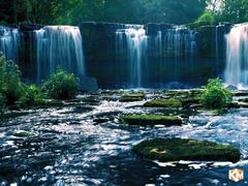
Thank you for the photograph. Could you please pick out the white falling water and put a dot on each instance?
(136, 43)
(180, 41)
(174, 43)
(59, 47)
(236, 72)
(10, 42)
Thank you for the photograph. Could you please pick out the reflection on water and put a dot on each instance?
(90, 146)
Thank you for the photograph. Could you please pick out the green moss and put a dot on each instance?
(132, 97)
(176, 93)
(149, 119)
(186, 149)
(190, 101)
(23, 134)
(174, 103)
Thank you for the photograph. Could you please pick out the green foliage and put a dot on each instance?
(215, 95)
(11, 86)
(235, 11)
(32, 96)
(61, 85)
(76, 11)
(206, 18)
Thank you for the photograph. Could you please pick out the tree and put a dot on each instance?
(76, 11)
(235, 11)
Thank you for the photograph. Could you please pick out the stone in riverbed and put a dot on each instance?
(150, 120)
(132, 97)
(171, 103)
(23, 134)
(176, 149)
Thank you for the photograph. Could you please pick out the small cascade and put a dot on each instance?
(10, 42)
(236, 72)
(59, 47)
(179, 41)
(135, 40)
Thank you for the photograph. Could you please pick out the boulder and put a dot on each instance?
(170, 103)
(132, 97)
(150, 120)
(176, 149)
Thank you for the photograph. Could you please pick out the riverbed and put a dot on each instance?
(86, 143)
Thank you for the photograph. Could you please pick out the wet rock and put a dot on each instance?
(244, 100)
(14, 114)
(91, 99)
(150, 120)
(188, 102)
(166, 150)
(23, 134)
(51, 103)
(132, 97)
(238, 105)
(240, 93)
(101, 120)
(172, 103)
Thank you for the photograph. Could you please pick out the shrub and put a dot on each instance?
(61, 85)
(207, 18)
(215, 95)
(11, 86)
(32, 96)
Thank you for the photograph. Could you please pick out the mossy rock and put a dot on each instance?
(150, 120)
(132, 97)
(177, 93)
(167, 150)
(23, 134)
(171, 103)
(190, 101)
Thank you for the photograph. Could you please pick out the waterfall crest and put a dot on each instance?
(59, 47)
(135, 39)
(10, 42)
(236, 72)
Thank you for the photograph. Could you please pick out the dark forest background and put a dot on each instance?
(124, 11)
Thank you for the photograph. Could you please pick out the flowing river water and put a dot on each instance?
(85, 143)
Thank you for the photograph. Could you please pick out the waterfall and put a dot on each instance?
(135, 39)
(10, 42)
(176, 44)
(59, 47)
(236, 72)
(179, 41)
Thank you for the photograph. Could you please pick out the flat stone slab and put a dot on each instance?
(132, 97)
(151, 120)
(170, 103)
(168, 150)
